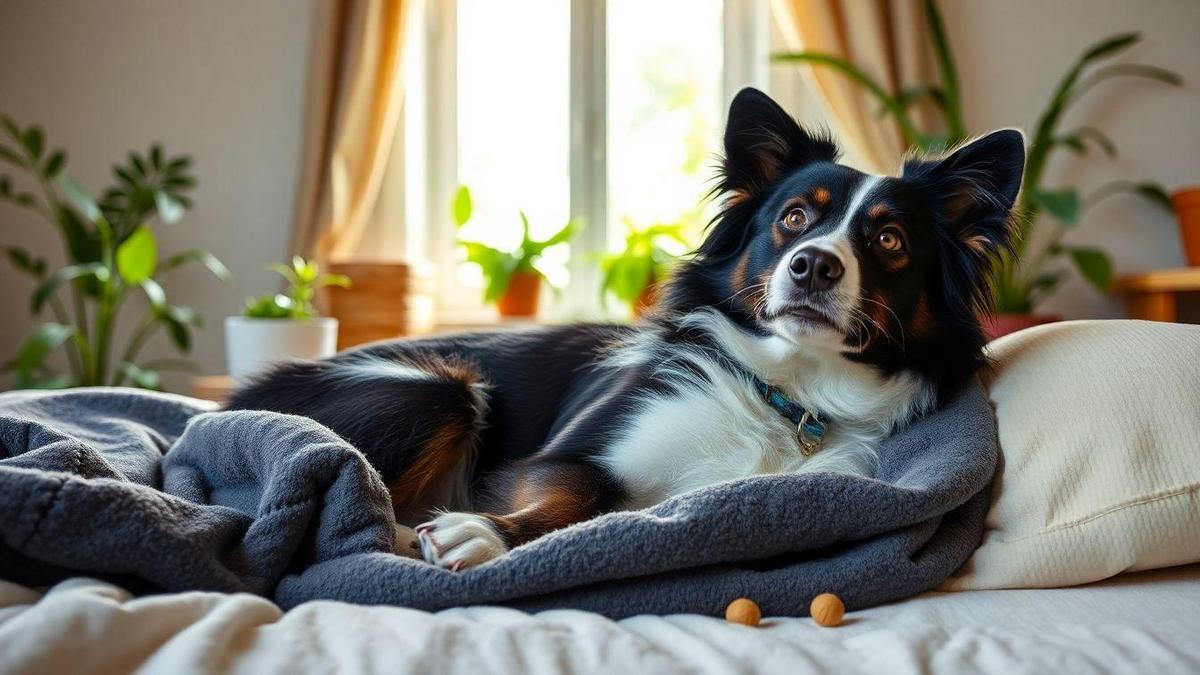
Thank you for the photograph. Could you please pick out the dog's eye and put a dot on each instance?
(796, 219)
(889, 240)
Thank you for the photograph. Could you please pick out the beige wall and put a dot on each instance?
(222, 80)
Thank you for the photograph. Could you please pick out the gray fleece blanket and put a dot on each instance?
(158, 493)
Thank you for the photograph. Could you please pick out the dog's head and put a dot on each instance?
(887, 271)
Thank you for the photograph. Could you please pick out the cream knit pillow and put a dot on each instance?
(1100, 437)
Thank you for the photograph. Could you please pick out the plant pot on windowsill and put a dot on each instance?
(280, 326)
(1187, 209)
(1001, 324)
(520, 299)
(646, 300)
(512, 279)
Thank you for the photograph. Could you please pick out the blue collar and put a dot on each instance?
(810, 430)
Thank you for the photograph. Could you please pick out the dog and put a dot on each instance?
(824, 309)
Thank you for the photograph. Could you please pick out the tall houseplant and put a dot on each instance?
(1028, 273)
(513, 280)
(111, 253)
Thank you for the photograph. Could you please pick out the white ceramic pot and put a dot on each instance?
(253, 344)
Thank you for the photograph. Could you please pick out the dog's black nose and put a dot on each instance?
(815, 270)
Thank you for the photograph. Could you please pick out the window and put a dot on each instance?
(663, 112)
(608, 112)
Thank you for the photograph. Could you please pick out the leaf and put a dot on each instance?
(1072, 142)
(205, 258)
(499, 278)
(155, 294)
(284, 271)
(24, 261)
(81, 198)
(137, 163)
(54, 164)
(1099, 138)
(47, 288)
(43, 340)
(33, 140)
(125, 177)
(156, 156)
(179, 183)
(11, 127)
(1110, 45)
(1155, 193)
(334, 280)
(463, 206)
(268, 306)
(562, 236)
(525, 238)
(176, 320)
(11, 156)
(137, 256)
(949, 101)
(177, 165)
(83, 242)
(306, 271)
(142, 378)
(1133, 70)
(1094, 265)
(169, 208)
(1062, 204)
(1045, 283)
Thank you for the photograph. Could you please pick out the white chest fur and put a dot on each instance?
(717, 427)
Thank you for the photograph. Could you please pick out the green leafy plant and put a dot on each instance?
(111, 252)
(1029, 274)
(630, 273)
(303, 278)
(499, 266)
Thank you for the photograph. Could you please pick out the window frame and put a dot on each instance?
(433, 149)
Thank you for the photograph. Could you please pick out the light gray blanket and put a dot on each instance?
(156, 493)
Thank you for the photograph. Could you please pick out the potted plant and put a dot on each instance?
(633, 274)
(1187, 210)
(512, 278)
(1032, 270)
(112, 255)
(279, 326)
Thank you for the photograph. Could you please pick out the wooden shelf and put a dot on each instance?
(212, 387)
(1152, 295)
(1181, 279)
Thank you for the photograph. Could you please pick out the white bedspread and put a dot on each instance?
(1141, 623)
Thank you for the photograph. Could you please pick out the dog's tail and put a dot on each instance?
(416, 417)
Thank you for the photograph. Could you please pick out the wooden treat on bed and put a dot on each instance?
(827, 609)
(743, 611)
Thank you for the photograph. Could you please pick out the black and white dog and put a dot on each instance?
(825, 308)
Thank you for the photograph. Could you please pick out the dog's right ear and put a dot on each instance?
(762, 142)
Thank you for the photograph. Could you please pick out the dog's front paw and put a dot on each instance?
(457, 541)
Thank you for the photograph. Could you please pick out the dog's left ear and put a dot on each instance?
(974, 188)
(762, 142)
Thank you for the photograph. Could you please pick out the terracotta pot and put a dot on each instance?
(521, 296)
(645, 301)
(999, 325)
(1187, 210)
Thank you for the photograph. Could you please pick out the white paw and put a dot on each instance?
(407, 543)
(457, 541)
